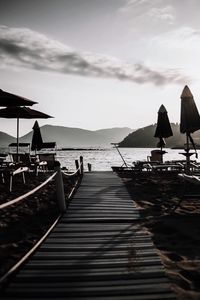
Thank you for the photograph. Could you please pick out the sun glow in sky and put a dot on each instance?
(99, 63)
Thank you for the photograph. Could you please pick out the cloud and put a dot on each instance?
(162, 13)
(146, 9)
(180, 48)
(184, 39)
(22, 47)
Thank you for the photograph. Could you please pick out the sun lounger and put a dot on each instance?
(190, 178)
(168, 167)
(188, 192)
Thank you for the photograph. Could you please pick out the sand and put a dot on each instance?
(175, 228)
(22, 225)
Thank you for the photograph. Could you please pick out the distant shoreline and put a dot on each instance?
(81, 149)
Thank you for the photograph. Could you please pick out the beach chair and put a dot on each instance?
(13, 171)
(155, 156)
(2, 175)
(23, 147)
(49, 145)
(9, 170)
(2, 165)
(32, 162)
(49, 158)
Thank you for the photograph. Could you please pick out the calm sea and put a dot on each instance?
(103, 159)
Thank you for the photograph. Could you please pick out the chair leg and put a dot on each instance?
(11, 179)
(23, 177)
(36, 170)
(2, 176)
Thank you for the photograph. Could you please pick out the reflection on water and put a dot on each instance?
(103, 159)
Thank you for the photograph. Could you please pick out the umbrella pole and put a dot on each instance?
(187, 154)
(124, 162)
(17, 139)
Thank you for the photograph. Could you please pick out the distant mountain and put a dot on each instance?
(76, 137)
(6, 139)
(144, 138)
(112, 135)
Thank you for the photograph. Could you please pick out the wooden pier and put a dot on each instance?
(96, 252)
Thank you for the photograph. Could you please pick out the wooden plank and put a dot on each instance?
(93, 283)
(91, 234)
(79, 274)
(81, 239)
(93, 291)
(88, 264)
(110, 246)
(91, 254)
(159, 296)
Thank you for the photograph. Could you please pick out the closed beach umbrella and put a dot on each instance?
(163, 128)
(190, 119)
(37, 141)
(8, 99)
(22, 113)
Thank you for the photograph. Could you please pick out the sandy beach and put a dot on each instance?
(175, 232)
(22, 225)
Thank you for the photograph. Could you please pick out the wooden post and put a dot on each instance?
(89, 167)
(81, 163)
(60, 195)
(77, 166)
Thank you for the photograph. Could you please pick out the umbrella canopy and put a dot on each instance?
(190, 119)
(163, 128)
(21, 113)
(37, 141)
(8, 99)
(190, 122)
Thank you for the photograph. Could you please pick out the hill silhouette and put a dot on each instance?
(76, 137)
(144, 138)
(6, 139)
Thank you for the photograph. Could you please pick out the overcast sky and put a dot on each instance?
(99, 63)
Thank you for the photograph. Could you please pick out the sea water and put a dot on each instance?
(104, 159)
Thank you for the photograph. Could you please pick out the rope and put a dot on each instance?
(73, 189)
(20, 198)
(27, 255)
(72, 174)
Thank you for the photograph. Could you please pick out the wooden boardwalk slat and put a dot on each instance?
(97, 251)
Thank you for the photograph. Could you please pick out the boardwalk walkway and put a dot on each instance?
(97, 251)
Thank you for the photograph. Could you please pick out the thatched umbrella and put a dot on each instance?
(163, 129)
(190, 121)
